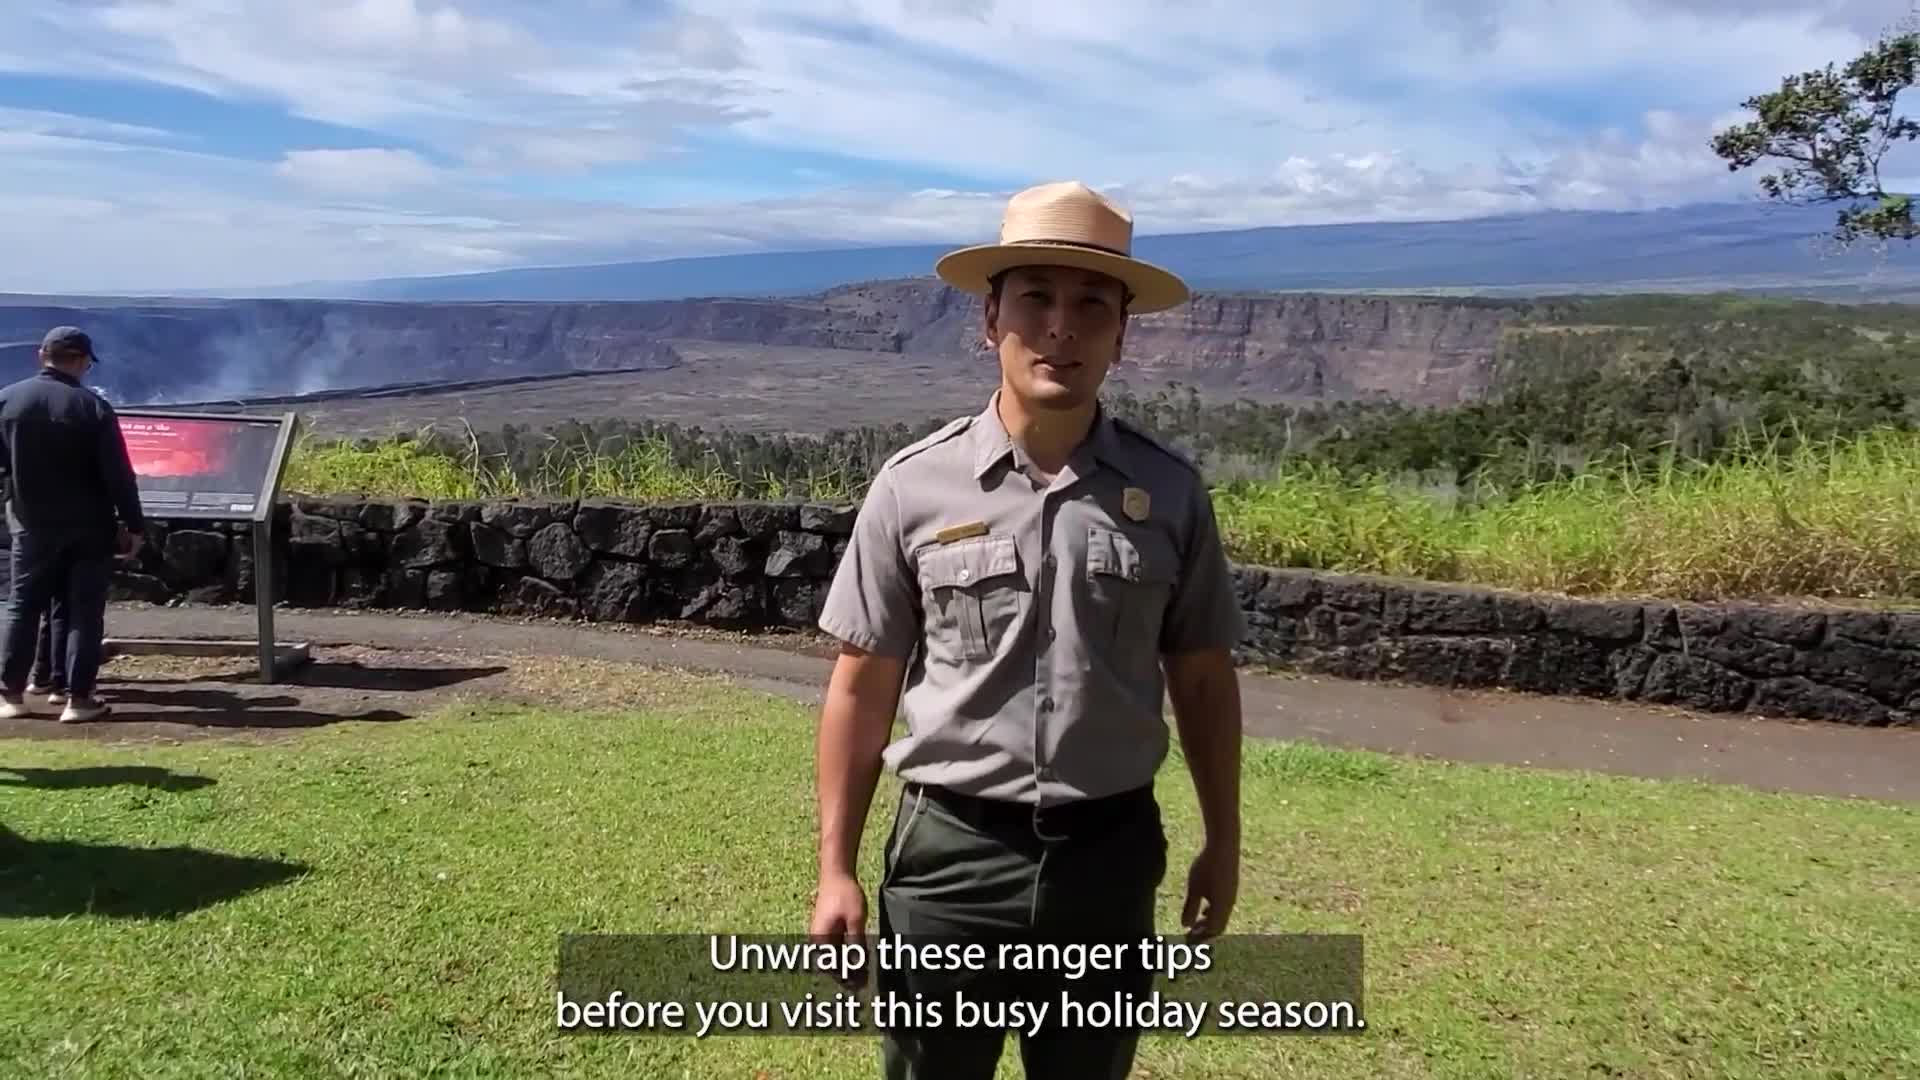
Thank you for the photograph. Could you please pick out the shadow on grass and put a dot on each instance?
(52, 879)
(335, 676)
(198, 699)
(100, 776)
(225, 708)
(395, 679)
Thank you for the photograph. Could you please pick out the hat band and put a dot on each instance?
(1075, 244)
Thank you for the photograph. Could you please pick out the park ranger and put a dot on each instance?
(1024, 585)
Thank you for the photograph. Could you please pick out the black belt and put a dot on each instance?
(1074, 816)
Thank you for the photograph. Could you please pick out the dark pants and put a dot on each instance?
(50, 656)
(957, 870)
(75, 567)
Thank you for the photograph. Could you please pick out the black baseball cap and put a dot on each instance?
(70, 341)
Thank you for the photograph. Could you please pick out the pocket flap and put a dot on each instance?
(1115, 554)
(968, 562)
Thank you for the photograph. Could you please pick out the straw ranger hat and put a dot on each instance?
(1065, 224)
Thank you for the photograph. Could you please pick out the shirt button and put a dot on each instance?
(1046, 704)
(1046, 772)
(965, 574)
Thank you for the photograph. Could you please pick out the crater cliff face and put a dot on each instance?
(1306, 346)
(1326, 346)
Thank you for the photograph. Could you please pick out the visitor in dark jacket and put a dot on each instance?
(50, 655)
(72, 484)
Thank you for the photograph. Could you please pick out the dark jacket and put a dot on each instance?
(64, 458)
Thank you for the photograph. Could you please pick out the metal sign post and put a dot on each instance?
(216, 467)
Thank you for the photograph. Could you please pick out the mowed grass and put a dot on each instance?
(1836, 520)
(415, 877)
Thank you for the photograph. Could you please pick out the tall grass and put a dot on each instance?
(637, 471)
(392, 468)
(1836, 519)
(1833, 519)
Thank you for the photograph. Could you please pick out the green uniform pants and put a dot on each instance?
(951, 876)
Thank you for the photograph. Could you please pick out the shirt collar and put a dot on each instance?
(992, 445)
(56, 373)
(1107, 446)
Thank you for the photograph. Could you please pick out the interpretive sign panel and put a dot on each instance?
(207, 466)
(216, 467)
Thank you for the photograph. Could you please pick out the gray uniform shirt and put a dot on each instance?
(1040, 612)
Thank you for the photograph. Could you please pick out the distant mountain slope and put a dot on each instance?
(1752, 246)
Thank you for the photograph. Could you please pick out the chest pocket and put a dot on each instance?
(971, 591)
(1129, 582)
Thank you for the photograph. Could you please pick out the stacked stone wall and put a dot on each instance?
(758, 566)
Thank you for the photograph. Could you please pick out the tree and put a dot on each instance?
(1833, 129)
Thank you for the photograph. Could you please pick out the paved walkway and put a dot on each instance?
(1503, 728)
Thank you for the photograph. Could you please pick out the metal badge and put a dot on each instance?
(1136, 503)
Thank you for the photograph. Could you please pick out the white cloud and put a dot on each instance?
(369, 171)
(241, 237)
(360, 62)
(403, 30)
(606, 129)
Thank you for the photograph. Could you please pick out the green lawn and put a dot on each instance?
(1517, 923)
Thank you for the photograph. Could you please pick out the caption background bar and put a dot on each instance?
(630, 971)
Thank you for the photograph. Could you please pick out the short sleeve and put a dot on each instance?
(1204, 612)
(873, 602)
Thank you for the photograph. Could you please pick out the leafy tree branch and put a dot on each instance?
(1833, 129)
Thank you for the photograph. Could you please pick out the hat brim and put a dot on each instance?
(972, 270)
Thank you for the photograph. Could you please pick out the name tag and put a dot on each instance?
(960, 532)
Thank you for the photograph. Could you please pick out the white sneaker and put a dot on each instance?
(78, 712)
(56, 698)
(14, 707)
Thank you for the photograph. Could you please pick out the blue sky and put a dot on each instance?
(203, 144)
